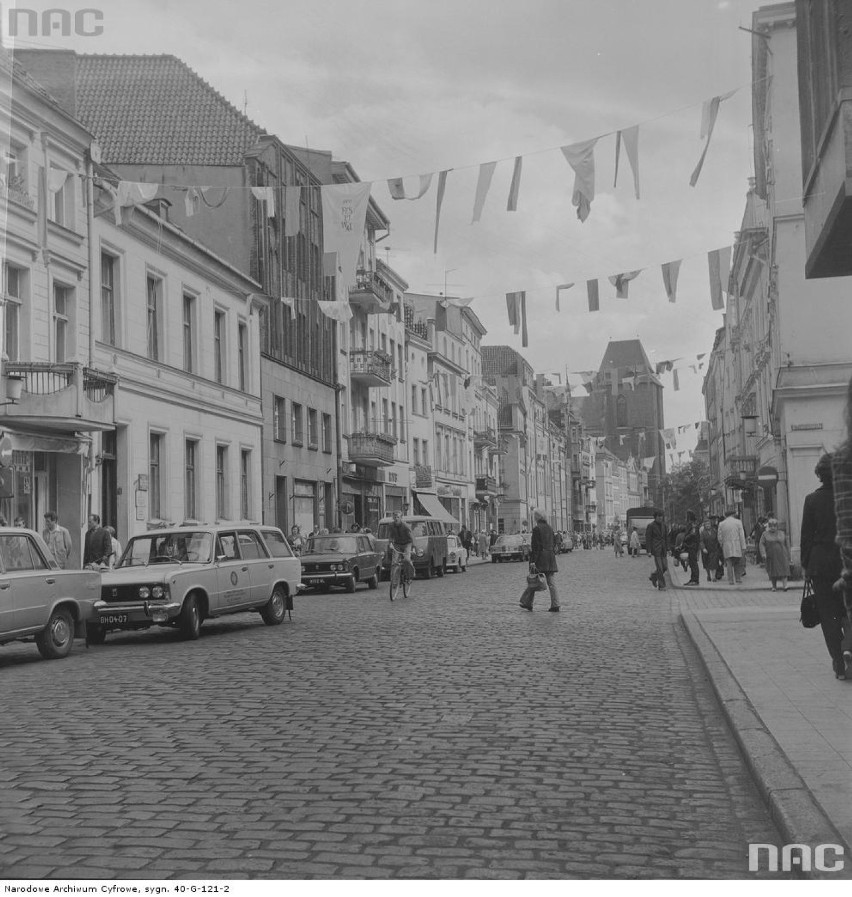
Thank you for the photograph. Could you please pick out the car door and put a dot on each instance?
(257, 559)
(31, 580)
(366, 558)
(232, 574)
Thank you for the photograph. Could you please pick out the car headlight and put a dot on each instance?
(419, 552)
(144, 592)
(335, 567)
(157, 592)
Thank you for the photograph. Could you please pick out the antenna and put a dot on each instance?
(245, 102)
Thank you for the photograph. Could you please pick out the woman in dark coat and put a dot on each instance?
(821, 562)
(543, 559)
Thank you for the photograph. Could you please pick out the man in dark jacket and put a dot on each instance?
(542, 560)
(691, 544)
(98, 544)
(657, 545)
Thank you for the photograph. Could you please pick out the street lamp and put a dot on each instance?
(14, 387)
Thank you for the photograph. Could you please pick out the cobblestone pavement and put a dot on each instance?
(450, 735)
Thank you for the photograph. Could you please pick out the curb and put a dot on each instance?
(796, 812)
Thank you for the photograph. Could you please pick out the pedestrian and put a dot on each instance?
(656, 543)
(756, 535)
(542, 560)
(711, 550)
(776, 553)
(116, 546)
(634, 544)
(297, 543)
(58, 539)
(19, 521)
(483, 544)
(616, 542)
(691, 544)
(841, 468)
(98, 545)
(733, 541)
(821, 561)
(492, 538)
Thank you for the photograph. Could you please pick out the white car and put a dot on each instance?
(179, 577)
(456, 555)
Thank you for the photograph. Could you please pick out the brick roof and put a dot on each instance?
(157, 110)
(500, 361)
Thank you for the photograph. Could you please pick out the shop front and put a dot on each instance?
(361, 499)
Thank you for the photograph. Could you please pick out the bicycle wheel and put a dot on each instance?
(406, 585)
(395, 575)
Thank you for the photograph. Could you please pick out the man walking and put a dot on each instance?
(98, 544)
(691, 544)
(58, 539)
(656, 543)
(733, 541)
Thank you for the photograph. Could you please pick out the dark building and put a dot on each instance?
(625, 408)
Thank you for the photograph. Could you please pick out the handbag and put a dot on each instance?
(809, 615)
(535, 580)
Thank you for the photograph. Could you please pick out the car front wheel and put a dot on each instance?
(350, 583)
(55, 640)
(189, 621)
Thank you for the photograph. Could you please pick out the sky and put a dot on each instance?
(401, 88)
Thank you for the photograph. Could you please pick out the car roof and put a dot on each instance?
(205, 527)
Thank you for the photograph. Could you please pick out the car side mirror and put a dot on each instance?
(221, 557)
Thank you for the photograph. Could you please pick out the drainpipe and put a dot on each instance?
(337, 390)
(90, 215)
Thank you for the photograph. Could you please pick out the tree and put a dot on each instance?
(687, 488)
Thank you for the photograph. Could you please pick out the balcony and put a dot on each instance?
(64, 396)
(371, 449)
(15, 192)
(371, 294)
(486, 438)
(371, 367)
(423, 477)
(486, 486)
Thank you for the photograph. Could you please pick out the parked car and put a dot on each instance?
(429, 553)
(567, 542)
(511, 548)
(40, 601)
(456, 554)
(340, 559)
(179, 577)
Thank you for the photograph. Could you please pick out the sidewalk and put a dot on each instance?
(791, 717)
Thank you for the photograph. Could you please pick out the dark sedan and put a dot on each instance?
(343, 559)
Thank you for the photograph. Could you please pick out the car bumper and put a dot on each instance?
(326, 579)
(136, 614)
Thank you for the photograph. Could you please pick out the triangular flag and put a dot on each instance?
(620, 282)
(56, 178)
(191, 201)
(512, 308)
(581, 157)
(512, 204)
(289, 301)
(337, 311)
(709, 111)
(718, 263)
(630, 136)
(670, 275)
(267, 195)
(594, 298)
(675, 380)
(425, 183)
(397, 190)
(562, 286)
(442, 183)
(483, 183)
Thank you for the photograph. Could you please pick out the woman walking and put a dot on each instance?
(776, 554)
(543, 559)
(821, 562)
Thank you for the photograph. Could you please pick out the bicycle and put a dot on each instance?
(400, 573)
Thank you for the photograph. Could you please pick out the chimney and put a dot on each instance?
(56, 71)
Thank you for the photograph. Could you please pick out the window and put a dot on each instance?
(425, 452)
(313, 433)
(424, 405)
(219, 346)
(14, 289)
(296, 427)
(415, 451)
(16, 169)
(245, 484)
(109, 269)
(221, 481)
(189, 313)
(385, 417)
(414, 400)
(190, 502)
(401, 372)
(326, 433)
(393, 419)
(279, 419)
(62, 200)
(155, 476)
(63, 304)
(154, 319)
(242, 354)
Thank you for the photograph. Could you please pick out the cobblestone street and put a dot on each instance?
(451, 735)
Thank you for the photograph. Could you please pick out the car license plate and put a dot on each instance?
(114, 618)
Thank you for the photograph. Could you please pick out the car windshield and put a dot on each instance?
(332, 545)
(508, 540)
(168, 548)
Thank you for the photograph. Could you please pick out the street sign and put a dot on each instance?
(5, 452)
(767, 476)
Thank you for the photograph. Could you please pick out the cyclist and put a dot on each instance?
(399, 536)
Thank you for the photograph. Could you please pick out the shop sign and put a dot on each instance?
(806, 427)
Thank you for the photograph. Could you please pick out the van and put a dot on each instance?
(429, 553)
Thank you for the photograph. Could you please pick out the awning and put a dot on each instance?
(434, 508)
(26, 442)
